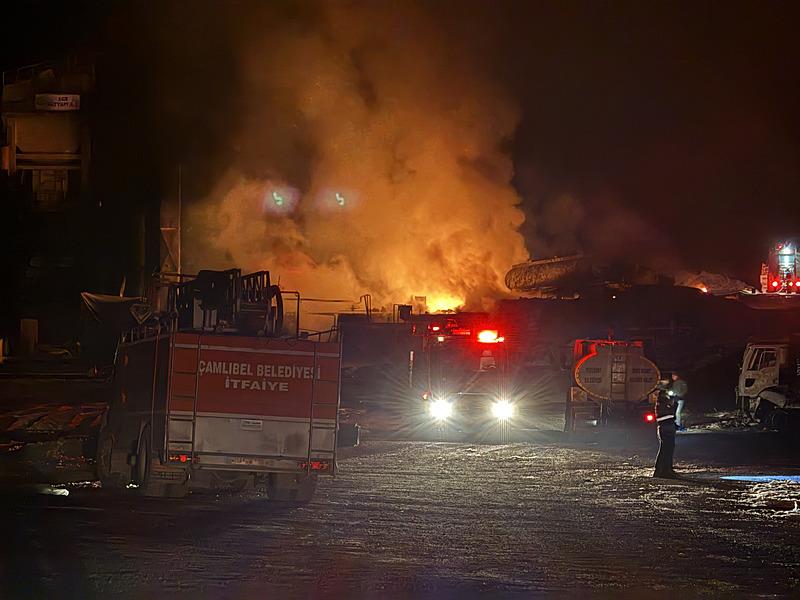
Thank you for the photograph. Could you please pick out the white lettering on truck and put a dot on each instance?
(235, 372)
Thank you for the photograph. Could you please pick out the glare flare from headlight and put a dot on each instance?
(502, 410)
(440, 409)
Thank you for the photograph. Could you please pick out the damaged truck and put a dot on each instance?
(768, 390)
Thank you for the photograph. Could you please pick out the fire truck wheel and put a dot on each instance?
(291, 488)
(144, 463)
(103, 460)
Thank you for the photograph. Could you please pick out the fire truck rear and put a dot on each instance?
(779, 275)
(210, 393)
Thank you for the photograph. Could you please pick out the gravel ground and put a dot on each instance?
(427, 519)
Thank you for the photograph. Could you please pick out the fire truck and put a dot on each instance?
(612, 383)
(461, 374)
(210, 393)
(779, 275)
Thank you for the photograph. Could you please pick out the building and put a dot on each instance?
(72, 219)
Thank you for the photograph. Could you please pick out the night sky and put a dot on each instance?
(668, 130)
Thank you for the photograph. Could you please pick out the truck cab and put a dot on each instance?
(761, 366)
(767, 389)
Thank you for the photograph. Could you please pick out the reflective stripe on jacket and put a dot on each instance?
(665, 406)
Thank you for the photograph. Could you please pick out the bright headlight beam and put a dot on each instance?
(502, 410)
(440, 409)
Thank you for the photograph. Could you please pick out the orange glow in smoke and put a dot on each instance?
(443, 302)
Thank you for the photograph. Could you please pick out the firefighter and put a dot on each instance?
(665, 420)
(678, 390)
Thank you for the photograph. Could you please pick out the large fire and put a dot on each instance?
(445, 302)
(383, 168)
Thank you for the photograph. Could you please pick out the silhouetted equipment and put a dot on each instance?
(228, 300)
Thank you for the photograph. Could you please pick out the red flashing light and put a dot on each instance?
(179, 458)
(489, 336)
(435, 328)
(649, 417)
(774, 284)
(791, 283)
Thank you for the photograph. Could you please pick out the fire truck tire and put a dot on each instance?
(296, 489)
(147, 486)
(103, 460)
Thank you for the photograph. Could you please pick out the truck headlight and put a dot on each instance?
(502, 410)
(440, 409)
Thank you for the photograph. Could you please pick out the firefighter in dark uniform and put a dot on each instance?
(665, 420)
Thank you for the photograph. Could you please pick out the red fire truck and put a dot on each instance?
(209, 393)
(779, 275)
(461, 375)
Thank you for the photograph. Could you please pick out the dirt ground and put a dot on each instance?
(431, 519)
(540, 516)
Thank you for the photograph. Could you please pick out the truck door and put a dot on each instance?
(759, 370)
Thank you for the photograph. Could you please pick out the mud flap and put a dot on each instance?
(569, 417)
(155, 479)
(290, 487)
(349, 435)
(167, 482)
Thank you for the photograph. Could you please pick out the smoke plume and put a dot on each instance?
(372, 158)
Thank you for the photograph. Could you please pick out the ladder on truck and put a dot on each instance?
(318, 430)
(618, 378)
(182, 446)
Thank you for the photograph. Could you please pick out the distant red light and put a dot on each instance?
(435, 327)
(316, 465)
(649, 417)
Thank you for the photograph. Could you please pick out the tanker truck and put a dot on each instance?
(612, 384)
